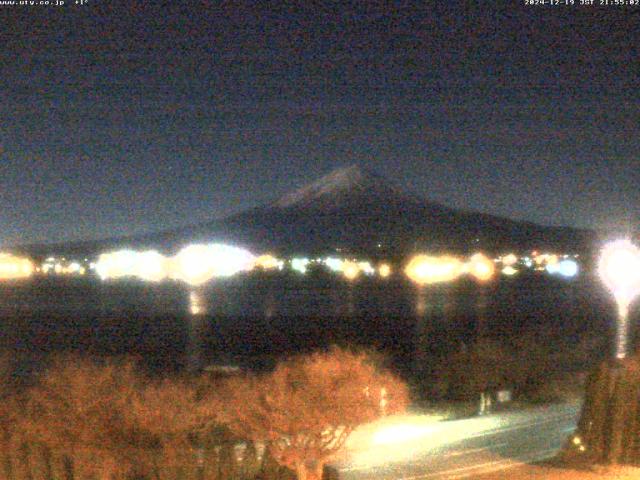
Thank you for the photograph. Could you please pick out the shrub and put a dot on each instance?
(307, 407)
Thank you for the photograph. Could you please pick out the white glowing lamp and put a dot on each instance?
(425, 269)
(619, 268)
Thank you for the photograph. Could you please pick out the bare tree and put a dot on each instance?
(8, 414)
(172, 411)
(81, 410)
(307, 407)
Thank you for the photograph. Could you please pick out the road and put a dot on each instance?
(414, 447)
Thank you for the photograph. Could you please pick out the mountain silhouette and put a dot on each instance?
(355, 210)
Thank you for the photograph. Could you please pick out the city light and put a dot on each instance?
(13, 267)
(509, 259)
(619, 268)
(509, 271)
(300, 264)
(384, 270)
(268, 262)
(350, 270)
(197, 264)
(334, 264)
(366, 268)
(425, 269)
(149, 265)
(481, 267)
(121, 263)
(566, 268)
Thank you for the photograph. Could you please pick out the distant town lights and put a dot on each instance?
(13, 267)
(384, 270)
(197, 264)
(509, 271)
(350, 270)
(509, 259)
(268, 262)
(300, 264)
(425, 269)
(481, 267)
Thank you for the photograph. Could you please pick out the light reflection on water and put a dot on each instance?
(196, 303)
(278, 311)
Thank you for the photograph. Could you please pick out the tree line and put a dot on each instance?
(106, 419)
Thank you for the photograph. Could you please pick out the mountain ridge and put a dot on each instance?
(352, 209)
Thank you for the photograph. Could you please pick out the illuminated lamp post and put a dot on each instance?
(608, 429)
(619, 268)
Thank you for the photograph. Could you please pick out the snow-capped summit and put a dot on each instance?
(335, 185)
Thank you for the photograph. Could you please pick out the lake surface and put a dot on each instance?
(254, 319)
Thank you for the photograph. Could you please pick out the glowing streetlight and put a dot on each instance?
(619, 268)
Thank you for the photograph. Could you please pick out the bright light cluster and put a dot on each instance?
(148, 265)
(426, 269)
(197, 264)
(13, 267)
(564, 265)
(268, 262)
(334, 264)
(194, 264)
(300, 264)
(566, 268)
(350, 270)
(61, 266)
(384, 270)
(480, 267)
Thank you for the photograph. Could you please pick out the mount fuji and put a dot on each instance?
(356, 210)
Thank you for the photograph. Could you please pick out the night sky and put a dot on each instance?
(129, 119)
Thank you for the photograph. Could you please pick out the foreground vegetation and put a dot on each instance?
(84, 419)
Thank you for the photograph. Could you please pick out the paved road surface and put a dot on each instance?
(412, 447)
